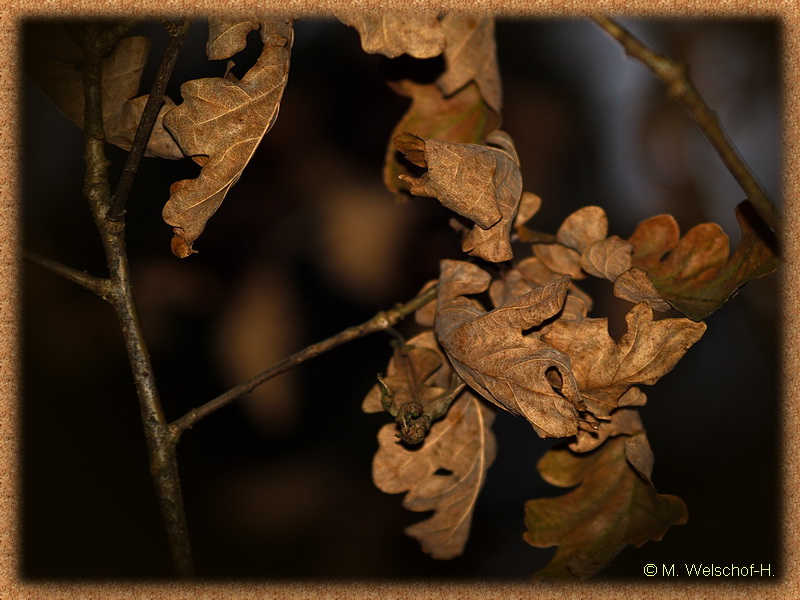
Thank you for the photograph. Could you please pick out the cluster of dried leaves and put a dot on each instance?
(219, 124)
(534, 351)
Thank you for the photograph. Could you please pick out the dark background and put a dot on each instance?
(308, 242)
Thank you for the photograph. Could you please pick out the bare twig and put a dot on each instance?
(681, 89)
(148, 119)
(160, 441)
(380, 322)
(98, 285)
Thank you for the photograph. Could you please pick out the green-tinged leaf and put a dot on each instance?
(445, 474)
(614, 505)
(694, 273)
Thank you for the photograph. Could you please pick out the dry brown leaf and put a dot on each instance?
(634, 286)
(529, 205)
(614, 505)
(463, 105)
(560, 259)
(463, 117)
(126, 122)
(530, 273)
(471, 55)
(228, 36)
(426, 315)
(607, 258)
(445, 474)
(220, 124)
(582, 246)
(459, 176)
(52, 57)
(490, 352)
(623, 421)
(417, 371)
(640, 455)
(606, 369)
(418, 33)
(481, 183)
(583, 228)
(694, 273)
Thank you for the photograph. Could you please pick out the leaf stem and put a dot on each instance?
(380, 322)
(147, 122)
(160, 441)
(680, 87)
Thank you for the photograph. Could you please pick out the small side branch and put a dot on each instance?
(681, 89)
(380, 322)
(148, 120)
(98, 285)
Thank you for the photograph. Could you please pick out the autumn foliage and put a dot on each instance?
(510, 327)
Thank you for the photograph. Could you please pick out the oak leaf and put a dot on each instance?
(694, 273)
(606, 370)
(594, 432)
(463, 105)
(481, 183)
(228, 35)
(418, 388)
(463, 117)
(583, 228)
(445, 474)
(560, 259)
(221, 123)
(53, 57)
(489, 351)
(417, 372)
(581, 246)
(471, 55)
(418, 33)
(529, 205)
(530, 273)
(608, 258)
(614, 505)
(634, 286)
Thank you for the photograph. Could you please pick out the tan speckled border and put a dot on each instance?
(12, 587)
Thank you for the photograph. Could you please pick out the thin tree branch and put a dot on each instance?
(380, 322)
(160, 441)
(98, 285)
(681, 89)
(148, 119)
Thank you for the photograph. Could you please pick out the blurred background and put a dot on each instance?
(308, 242)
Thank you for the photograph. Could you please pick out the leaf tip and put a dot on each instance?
(412, 146)
(179, 246)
